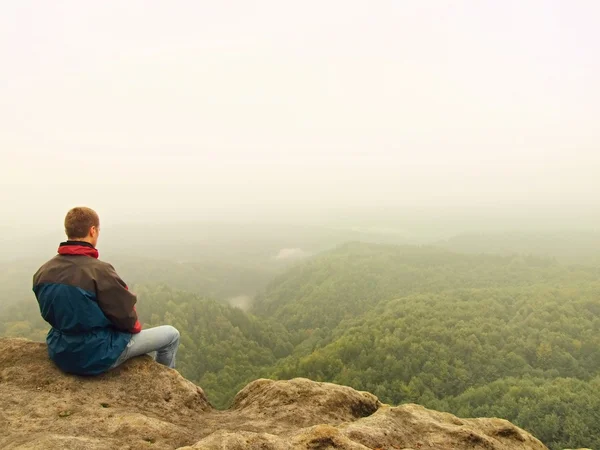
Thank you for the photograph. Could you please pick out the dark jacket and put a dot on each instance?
(90, 309)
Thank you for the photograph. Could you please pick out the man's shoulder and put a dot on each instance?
(66, 269)
(95, 264)
(104, 264)
(52, 261)
(103, 268)
(74, 269)
(72, 262)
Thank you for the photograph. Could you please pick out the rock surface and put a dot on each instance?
(143, 405)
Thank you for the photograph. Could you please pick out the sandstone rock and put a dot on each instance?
(240, 440)
(126, 408)
(417, 427)
(300, 403)
(144, 405)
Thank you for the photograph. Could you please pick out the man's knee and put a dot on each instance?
(174, 333)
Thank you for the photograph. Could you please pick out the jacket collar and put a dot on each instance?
(77, 248)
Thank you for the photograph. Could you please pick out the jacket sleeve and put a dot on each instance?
(115, 300)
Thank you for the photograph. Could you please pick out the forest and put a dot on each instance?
(512, 334)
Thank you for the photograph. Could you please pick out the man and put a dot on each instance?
(92, 313)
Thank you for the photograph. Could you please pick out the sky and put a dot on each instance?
(180, 110)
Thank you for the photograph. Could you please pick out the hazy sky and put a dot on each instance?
(146, 109)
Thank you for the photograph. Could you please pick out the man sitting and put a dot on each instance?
(92, 313)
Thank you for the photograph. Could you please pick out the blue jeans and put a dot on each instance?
(163, 340)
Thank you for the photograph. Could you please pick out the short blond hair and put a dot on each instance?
(79, 220)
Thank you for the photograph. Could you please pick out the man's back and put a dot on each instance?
(89, 325)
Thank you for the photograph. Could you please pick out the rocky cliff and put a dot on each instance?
(143, 405)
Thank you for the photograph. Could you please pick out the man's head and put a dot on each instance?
(82, 224)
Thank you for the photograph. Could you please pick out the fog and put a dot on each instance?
(339, 111)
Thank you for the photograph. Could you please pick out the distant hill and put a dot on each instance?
(353, 278)
(570, 247)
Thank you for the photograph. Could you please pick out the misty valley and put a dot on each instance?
(481, 325)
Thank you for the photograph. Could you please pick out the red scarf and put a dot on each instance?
(77, 248)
